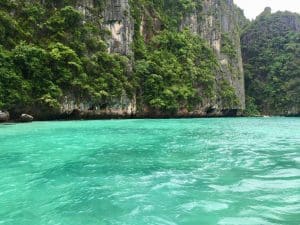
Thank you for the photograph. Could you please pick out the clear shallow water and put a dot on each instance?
(157, 172)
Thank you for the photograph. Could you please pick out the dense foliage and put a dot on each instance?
(50, 50)
(175, 67)
(271, 52)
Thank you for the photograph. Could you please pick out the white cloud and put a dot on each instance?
(253, 8)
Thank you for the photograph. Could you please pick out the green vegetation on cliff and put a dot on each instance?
(177, 69)
(271, 53)
(49, 50)
(175, 66)
(171, 66)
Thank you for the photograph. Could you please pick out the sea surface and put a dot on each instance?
(226, 171)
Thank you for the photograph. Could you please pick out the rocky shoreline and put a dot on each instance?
(92, 115)
(23, 118)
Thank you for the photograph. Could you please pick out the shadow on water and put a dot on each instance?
(7, 124)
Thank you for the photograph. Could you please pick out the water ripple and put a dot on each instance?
(120, 172)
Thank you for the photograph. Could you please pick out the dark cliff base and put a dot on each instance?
(109, 117)
(92, 115)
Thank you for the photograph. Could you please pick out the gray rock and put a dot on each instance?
(26, 118)
(118, 21)
(212, 27)
(4, 116)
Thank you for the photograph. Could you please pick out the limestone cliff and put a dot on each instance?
(216, 21)
(271, 52)
(119, 22)
(122, 58)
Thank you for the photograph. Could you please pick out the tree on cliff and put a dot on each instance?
(271, 53)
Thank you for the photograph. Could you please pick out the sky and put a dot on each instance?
(253, 8)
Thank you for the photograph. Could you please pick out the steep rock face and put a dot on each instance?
(123, 58)
(218, 23)
(271, 52)
(118, 21)
(118, 107)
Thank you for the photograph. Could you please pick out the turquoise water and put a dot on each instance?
(158, 172)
